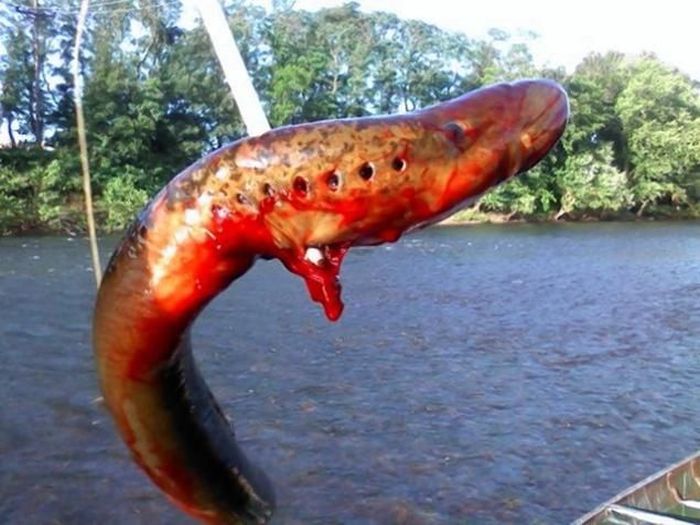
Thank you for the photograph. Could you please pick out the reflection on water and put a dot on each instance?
(516, 374)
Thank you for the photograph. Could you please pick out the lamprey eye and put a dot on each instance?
(333, 180)
(367, 171)
(456, 134)
(300, 185)
(399, 164)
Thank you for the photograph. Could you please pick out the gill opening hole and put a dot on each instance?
(268, 190)
(333, 180)
(300, 185)
(399, 164)
(242, 199)
(367, 171)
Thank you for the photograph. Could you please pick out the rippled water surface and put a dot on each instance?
(516, 374)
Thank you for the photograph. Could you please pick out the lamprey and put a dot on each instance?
(303, 195)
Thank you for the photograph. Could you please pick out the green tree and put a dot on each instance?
(593, 90)
(16, 83)
(660, 113)
(590, 183)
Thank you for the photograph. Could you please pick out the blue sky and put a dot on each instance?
(567, 30)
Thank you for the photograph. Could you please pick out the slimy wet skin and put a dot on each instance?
(304, 195)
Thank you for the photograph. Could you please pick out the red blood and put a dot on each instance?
(321, 280)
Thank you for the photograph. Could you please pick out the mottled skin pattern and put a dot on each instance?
(304, 195)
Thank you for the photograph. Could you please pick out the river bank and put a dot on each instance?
(468, 217)
(472, 216)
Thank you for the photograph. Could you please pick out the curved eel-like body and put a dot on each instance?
(304, 195)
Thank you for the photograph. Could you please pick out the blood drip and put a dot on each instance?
(321, 279)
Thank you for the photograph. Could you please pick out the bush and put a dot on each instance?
(122, 199)
(14, 193)
(589, 182)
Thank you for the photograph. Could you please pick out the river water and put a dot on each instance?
(514, 374)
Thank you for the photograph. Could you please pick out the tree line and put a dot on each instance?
(155, 101)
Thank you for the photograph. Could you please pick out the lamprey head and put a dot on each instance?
(440, 159)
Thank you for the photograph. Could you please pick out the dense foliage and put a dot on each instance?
(155, 101)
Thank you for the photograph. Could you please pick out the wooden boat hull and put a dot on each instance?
(669, 497)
